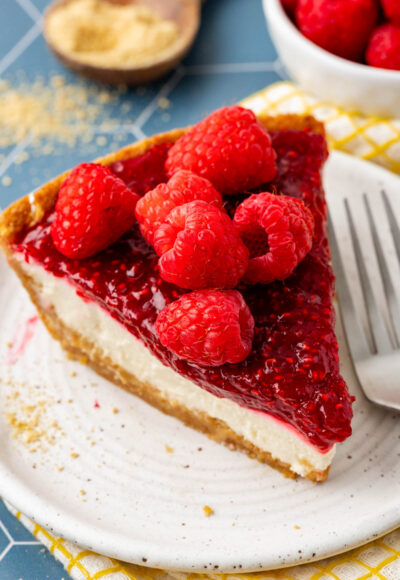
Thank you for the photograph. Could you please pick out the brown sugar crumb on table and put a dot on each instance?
(30, 418)
(208, 511)
(56, 112)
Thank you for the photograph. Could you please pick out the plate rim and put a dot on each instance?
(19, 494)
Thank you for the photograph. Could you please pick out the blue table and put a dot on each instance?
(232, 58)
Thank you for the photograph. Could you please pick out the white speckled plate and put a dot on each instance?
(109, 481)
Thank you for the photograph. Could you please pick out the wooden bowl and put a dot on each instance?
(186, 15)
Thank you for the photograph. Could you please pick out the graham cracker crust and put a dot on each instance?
(30, 210)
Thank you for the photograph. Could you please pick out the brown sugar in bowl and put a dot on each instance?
(184, 13)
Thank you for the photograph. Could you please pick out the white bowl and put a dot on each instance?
(354, 86)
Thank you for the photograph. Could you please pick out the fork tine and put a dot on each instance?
(394, 227)
(377, 326)
(356, 340)
(386, 274)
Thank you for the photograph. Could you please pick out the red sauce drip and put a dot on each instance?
(292, 372)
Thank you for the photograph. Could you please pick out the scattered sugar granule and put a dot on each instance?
(57, 81)
(22, 157)
(6, 181)
(208, 511)
(164, 103)
(126, 107)
(101, 141)
(48, 150)
(30, 417)
(53, 112)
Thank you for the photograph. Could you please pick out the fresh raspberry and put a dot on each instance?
(207, 327)
(94, 208)
(384, 47)
(339, 26)
(290, 6)
(183, 187)
(391, 9)
(200, 248)
(230, 148)
(278, 230)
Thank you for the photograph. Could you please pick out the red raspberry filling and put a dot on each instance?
(292, 371)
(144, 172)
(230, 148)
(207, 327)
(183, 187)
(278, 231)
(200, 248)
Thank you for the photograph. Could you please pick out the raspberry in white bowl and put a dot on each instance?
(355, 86)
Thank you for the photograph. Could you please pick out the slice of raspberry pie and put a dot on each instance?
(230, 327)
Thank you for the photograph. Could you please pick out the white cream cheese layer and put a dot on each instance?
(94, 323)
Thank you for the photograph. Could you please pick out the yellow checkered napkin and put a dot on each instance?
(378, 560)
(370, 138)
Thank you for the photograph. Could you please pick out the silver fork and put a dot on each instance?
(375, 345)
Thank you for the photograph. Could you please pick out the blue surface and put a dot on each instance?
(231, 58)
